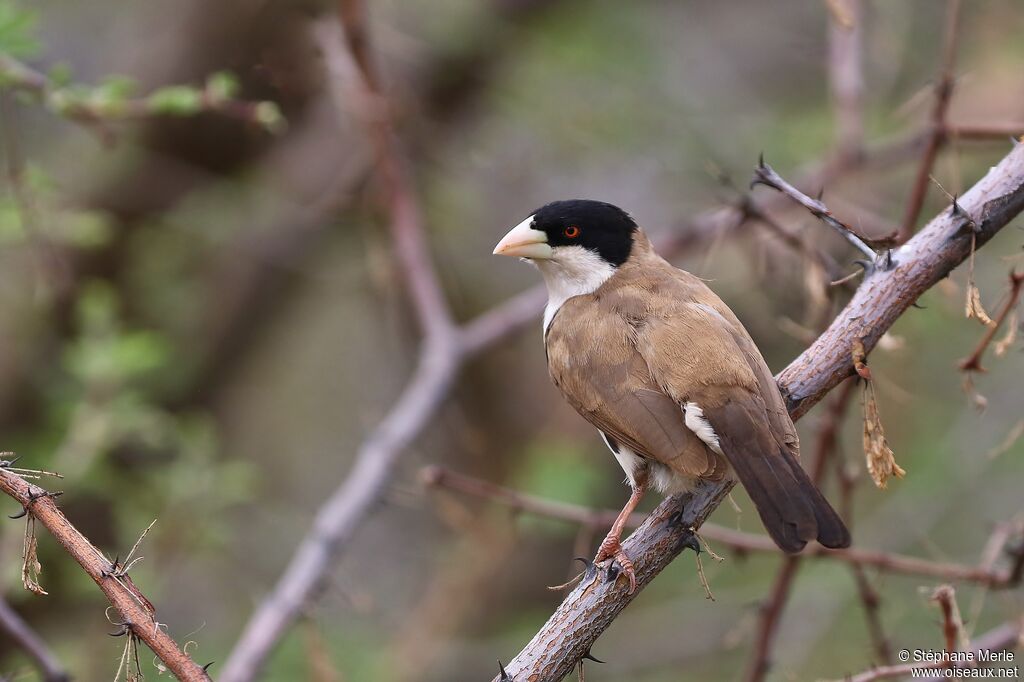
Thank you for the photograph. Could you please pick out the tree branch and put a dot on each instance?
(846, 77)
(738, 541)
(24, 637)
(881, 299)
(937, 135)
(135, 616)
(96, 111)
(972, 363)
(772, 608)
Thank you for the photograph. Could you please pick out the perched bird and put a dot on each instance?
(649, 355)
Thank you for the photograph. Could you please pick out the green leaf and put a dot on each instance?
(269, 115)
(17, 30)
(222, 86)
(176, 100)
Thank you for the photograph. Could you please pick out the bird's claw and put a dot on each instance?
(611, 548)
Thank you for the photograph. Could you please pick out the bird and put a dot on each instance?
(666, 372)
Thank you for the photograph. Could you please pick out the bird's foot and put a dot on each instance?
(611, 548)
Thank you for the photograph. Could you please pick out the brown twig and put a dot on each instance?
(952, 624)
(937, 136)
(737, 541)
(972, 363)
(766, 175)
(871, 604)
(134, 615)
(28, 640)
(985, 131)
(769, 617)
(772, 608)
(846, 77)
(930, 255)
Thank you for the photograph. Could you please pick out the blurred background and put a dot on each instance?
(202, 316)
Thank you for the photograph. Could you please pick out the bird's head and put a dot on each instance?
(572, 234)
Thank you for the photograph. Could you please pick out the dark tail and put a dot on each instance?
(791, 507)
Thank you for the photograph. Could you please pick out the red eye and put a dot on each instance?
(571, 232)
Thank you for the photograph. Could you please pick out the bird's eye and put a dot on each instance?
(571, 232)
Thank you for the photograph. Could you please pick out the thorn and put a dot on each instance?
(867, 265)
(917, 305)
(504, 675)
(21, 514)
(4, 464)
(122, 632)
(589, 568)
(821, 193)
(955, 210)
(206, 668)
(590, 657)
(760, 160)
(689, 539)
(613, 571)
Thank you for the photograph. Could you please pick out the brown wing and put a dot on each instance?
(698, 352)
(592, 359)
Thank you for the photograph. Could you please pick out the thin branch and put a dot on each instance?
(871, 603)
(342, 512)
(770, 615)
(766, 175)
(135, 616)
(846, 77)
(98, 112)
(985, 131)
(972, 363)
(771, 610)
(952, 623)
(29, 641)
(930, 255)
(937, 137)
(400, 201)
(737, 541)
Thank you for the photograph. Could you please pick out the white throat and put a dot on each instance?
(572, 271)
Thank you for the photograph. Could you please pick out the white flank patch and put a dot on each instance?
(627, 459)
(693, 415)
(662, 478)
(571, 271)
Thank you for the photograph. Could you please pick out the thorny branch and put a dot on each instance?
(134, 610)
(766, 175)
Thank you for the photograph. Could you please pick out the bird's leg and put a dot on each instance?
(611, 547)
